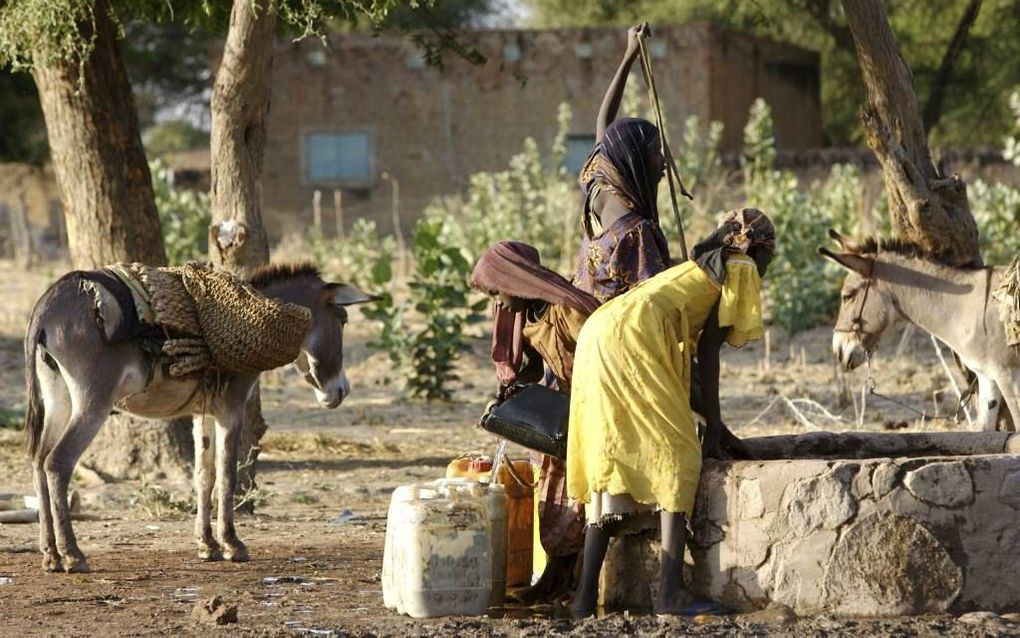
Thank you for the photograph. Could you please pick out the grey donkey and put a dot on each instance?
(80, 366)
(890, 281)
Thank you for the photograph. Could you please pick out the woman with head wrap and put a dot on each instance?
(622, 243)
(632, 444)
(537, 317)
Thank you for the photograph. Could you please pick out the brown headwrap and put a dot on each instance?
(515, 269)
(743, 230)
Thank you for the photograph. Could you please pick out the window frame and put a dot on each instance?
(372, 174)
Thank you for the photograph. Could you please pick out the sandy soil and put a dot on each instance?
(310, 575)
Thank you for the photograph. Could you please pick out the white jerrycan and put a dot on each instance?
(442, 556)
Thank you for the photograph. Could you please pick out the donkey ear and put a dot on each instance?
(348, 294)
(846, 243)
(856, 263)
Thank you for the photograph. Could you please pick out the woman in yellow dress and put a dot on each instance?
(632, 443)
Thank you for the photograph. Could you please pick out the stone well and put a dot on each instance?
(863, 524)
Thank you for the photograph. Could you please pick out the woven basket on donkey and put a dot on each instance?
(245, 331)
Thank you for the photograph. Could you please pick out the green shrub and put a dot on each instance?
(802, 289)
(440, 295)
(996, 209)
(184, 215)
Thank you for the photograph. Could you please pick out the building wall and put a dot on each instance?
(431, 129)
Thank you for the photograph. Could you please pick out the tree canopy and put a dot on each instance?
(954, 49)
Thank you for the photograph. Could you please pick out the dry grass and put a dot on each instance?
(291, 443)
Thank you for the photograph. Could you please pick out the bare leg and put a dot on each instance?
(205, 468)
(226, 482)
(555, 580)
(672, 595)
(596, 542)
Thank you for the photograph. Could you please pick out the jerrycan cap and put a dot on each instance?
(481, 464)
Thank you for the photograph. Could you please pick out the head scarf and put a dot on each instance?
(741, 231)
(619, 165)
(515, 269)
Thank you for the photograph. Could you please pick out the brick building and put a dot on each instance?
(345, 114)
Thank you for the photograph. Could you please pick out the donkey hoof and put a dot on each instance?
(210, 553)
(52, 563)
(236, 553)
(77, 566)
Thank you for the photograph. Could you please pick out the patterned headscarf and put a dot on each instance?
(515, 269)
(745, 231)
(619, 164)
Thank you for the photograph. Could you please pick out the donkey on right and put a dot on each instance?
(891, 280)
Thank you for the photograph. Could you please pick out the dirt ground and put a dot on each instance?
(314, 570)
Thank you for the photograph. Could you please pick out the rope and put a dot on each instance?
(671, 171)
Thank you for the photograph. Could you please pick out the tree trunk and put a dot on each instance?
(97, 154)
(925, 207)
(240, 110)
(111, 216)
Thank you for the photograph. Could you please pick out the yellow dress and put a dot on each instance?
(631, 427)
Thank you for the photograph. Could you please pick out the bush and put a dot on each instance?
(439, 292)
(802, 289)
(996, 209)
(355, 257)
(184, 215)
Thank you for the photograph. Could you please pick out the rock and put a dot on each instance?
(942, 484)
(890, 565)
(1011, 617)
(979, 617)
(214, 611)
(1009, 493)
(775, 614)
(885, 478)
(824, 502)
(749, 499)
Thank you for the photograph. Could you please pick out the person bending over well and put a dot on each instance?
(632, 444)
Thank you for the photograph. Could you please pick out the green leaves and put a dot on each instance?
(184, 215)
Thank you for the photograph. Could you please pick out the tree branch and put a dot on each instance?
(932, 111)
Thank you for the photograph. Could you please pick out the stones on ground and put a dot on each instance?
(941, 484)
(890, 565)
(823, 502)
(979, 617)
(215, 612)
(1009, 493)
(775, 614)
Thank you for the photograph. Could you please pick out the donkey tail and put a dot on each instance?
(35, 412)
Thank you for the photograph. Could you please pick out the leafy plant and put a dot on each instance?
(439, 293)
(802, 290)
(185, 216)
(12, 417)
(160, 504)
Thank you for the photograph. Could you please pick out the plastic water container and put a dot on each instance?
(444, 552)
(520, 506)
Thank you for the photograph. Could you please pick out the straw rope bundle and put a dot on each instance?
(1008, 296)
(215, 320)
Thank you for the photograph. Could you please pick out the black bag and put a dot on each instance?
(534, 416)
